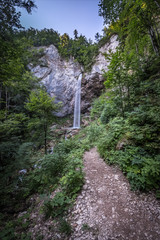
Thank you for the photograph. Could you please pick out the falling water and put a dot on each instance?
(77, 106)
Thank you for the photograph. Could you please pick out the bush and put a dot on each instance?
(140, 166)
(110, 111)
(46, 174)
(72, 182)
(65, 147)
(98, 106)
(93, 133)
(24, 154)
(56, 206)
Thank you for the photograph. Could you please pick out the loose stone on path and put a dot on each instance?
(107, 209)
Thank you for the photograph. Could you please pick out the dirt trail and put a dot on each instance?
(106, 208)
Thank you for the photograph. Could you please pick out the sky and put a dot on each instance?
(65, 16)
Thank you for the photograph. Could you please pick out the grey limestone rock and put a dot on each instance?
(60, 77)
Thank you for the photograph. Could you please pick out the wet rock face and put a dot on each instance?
(60, 77)
(92, 86)
(93, 82)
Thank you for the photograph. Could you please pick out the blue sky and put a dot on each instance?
(64, 16)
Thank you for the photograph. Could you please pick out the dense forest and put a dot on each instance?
(125, 119)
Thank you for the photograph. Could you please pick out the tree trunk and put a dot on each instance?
(154, 41)
(9, 100)
(157, 33)
(128, 95)
(6, 92)
(45, 138)
(121, 97)
(158, 5)
(148, 23)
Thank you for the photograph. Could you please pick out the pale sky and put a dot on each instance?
(64, 16)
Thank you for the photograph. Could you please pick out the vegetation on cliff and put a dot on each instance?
(81, 49)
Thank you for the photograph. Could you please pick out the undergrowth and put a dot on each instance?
(126, 121)
(63, 171)
(131, 144)
(127, 136)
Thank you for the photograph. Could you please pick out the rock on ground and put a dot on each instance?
(107, 209)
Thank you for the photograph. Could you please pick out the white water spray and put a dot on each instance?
(77, 106)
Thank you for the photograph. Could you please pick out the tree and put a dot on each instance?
(9, 17)
(137, 18)
(75, 34)
(15, 80)
(41, 106)
(12, 64)
(98, 37)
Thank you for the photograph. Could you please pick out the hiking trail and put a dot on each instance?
(107, 209)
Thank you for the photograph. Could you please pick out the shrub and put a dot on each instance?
(109, 139)
(46, 174)
(72, 182)
(93, 133)
(98, 106)
(56, 206)
(110, 111)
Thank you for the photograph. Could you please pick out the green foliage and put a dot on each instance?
(72, 182)
(14, 90)
(8, 151)
(158, 194)
(41, 106)
(113, 132)
(93, 132)
(44, 37)
(40, 103)
(35, 57)
(82, 50)
(98, 106)
(86, 227)
(66, 147)
(46, 174)
(9, 17)
(65, 227)
(140, 166)
(110, 110)
(64, 169)
(110, 10)
(130, 114)
(135, 19)
(16, 229)
(24, 154)
(127, 126)
(8, 233)
(56, 206)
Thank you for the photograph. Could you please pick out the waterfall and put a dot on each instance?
(77, 105)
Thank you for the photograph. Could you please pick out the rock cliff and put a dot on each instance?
(60, 77)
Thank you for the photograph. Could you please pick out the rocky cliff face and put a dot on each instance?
(93, 82)
(60, 77)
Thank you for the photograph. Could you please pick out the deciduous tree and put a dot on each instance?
(137, 18)
(41, 106)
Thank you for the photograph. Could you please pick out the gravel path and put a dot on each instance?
(106, 208)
